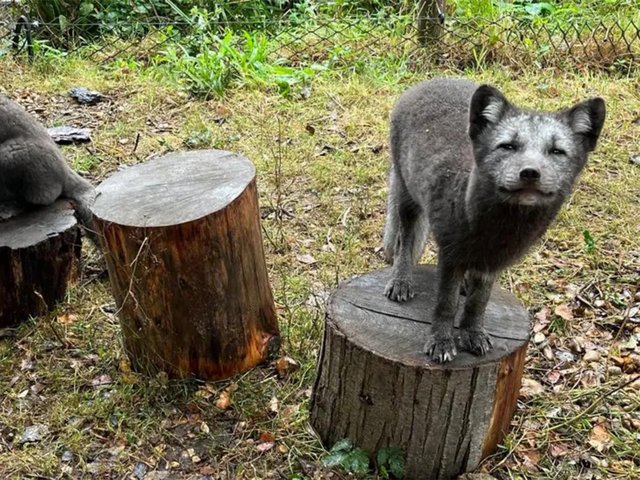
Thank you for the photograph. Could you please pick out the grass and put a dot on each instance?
(321, 162)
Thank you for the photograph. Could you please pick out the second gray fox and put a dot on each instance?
(486, 178)
(32, 168)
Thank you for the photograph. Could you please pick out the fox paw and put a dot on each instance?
(440, 349)
(475, 340)
(399, 290)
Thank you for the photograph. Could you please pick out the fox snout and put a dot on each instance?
(529, 175)
(528, 185)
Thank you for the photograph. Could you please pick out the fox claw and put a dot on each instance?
(475, 340)
(399, 290)
(440, 349)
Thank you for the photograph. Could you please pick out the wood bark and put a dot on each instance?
(183, 247)
(376, 387)
(39, 256)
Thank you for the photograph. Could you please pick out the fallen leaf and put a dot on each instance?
(542, 320)
(531, 458)
(267, 437)
(600, 439)
(37, 388)
(530, 388)
(264, 447)
(103, 379)
(564, 312)
(282, 448)
(66, 318)
(26, 364)
(207, 470)
(224, 400)
(274, 404)
(285, 365)
(204, 428)
(553, 376)
(306, 258)
(557, 450)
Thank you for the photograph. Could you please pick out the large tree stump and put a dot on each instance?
(183, 247)
(376, 387)
(39, 256)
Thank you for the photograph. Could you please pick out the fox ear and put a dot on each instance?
(586, 119)
(487, 107)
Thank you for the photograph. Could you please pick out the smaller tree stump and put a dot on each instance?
(39, 256)
(183, 248)
(377, 388)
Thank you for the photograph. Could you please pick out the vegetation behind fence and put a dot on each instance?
(283, 43)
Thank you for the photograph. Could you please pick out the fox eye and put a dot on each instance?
(558, 151)
(507, 146)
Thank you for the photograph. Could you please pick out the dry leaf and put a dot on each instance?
(600, 439)
(274, 404)
(559, 450)
(264, 447)
(306, 258)
(26, 364)
(553, 377)
(103, 379)
(37, 388)
(530, 388)
(564, 312)
(207, 470)
(285, 365)
(267, 437)
(224, 400)
(66, 318)
(204, 428)
(282, 448)
(530, 459)
(542, 320)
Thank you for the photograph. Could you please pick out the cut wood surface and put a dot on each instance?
(39, 256)
(376, 387)
(186, 263)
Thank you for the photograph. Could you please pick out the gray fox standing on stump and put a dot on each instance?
(487, 178)
(32, 168)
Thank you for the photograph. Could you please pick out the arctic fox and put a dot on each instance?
(32, 168)
(487, 178)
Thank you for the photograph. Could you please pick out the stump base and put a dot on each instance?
(377, 388)
(39, 255)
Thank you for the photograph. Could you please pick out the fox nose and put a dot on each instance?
(529, 174)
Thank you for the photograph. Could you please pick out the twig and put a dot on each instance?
(593, 405)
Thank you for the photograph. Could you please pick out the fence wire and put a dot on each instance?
(604, 43)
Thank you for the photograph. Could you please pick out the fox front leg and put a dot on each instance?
(473, 337)
(440, 345)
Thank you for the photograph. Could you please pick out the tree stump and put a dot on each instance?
(39, 256)
(377, 388)
(183, 248)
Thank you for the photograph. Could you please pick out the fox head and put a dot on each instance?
(531, 158)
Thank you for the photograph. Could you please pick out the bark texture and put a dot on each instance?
(183, 246)
(375, 386)
(39, 256)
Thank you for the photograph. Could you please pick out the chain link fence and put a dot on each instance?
(611, 43)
